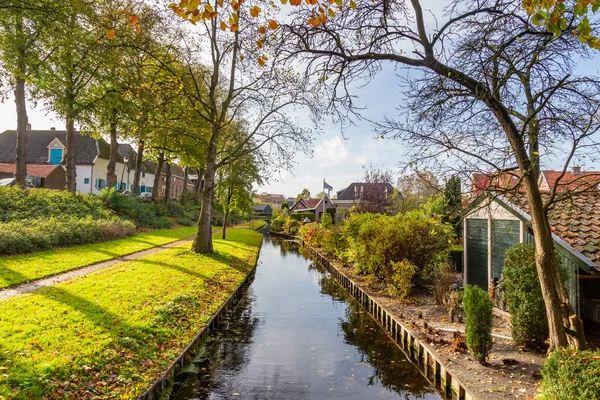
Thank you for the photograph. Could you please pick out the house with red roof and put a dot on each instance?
(41, 176)
(314, 206)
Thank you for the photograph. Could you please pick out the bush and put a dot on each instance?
(375, 241)
(312, 234)
(334, 242)
(326, 220)
(570, 374)
(402, 281)
(523, 296)
(291, 224)
(185, 221)
(478, 323)
(457, 258)
(17, 204)
(149, 215)
(277, 224)
(44, 234)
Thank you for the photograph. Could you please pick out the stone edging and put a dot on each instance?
(155, 390)
(421, 354)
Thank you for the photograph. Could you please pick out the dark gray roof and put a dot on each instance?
(263, 208)
(349, 193)
(88, 148)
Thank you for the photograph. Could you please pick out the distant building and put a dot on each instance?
(276, 200)
(41, 176)
(263, 211)
(314, 206)
(358, 191)
(47, 147)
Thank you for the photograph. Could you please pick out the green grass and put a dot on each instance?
(19, 269)
(110, 334)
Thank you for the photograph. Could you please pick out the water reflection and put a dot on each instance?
(297, 335)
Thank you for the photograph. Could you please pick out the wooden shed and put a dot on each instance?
(495, 223)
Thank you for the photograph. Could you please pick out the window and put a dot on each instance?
(86, 181)
(56, 156)
(100, 183)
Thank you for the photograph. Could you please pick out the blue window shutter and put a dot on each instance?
(86, 181)
(96, 184)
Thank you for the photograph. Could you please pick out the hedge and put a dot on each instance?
(32, 235)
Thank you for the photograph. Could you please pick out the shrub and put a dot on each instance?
(334, 242)
(277, 224)
(17, 204)
(375, 241)
(291, 224)
(150, 215)
(523, 296)
(185, 221)
(326, 220)
(48, 233)
(478, 323)
(311, 233)
(443, 284)
(457, 259)
(402, 281)
(571, 374)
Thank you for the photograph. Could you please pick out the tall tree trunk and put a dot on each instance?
(157, 181)
(200, 181)
(70, 152)
(203, 241)
(186, 176)
(138, 167)
(111, 174)
(226, 216)
(168, 182)
(22, 120)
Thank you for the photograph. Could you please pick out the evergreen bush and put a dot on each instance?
(571, 374)
(478, 322)
(523, 296)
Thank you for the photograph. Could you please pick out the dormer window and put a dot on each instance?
(55, 152)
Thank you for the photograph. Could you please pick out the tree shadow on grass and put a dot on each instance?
(173, 266)
(237, 263)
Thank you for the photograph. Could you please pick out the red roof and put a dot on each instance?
(575, 220)
(41, 171)
(573, 182)
(312, 203)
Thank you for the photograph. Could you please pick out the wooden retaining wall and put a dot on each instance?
(423, 356)
(186, 356)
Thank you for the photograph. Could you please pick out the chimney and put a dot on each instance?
(576, 170)
(52, 128)
(28, 127)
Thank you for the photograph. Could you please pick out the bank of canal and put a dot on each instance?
(298, 335)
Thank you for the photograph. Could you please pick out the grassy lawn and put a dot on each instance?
(27, 267)
(110, 334)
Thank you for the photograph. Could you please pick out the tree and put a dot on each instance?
(452, 212)
(416, 189)
(375, 191)
(20, 55)
(494, 91)
(231, 90)
(304, 194)
(234, 187)
(70, 70)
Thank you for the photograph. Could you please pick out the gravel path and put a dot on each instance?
(23, 288)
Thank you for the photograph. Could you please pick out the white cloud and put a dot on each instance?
(333, 151)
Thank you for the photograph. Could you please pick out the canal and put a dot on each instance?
(297, 335)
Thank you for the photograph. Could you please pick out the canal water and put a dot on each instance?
(297, 335)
